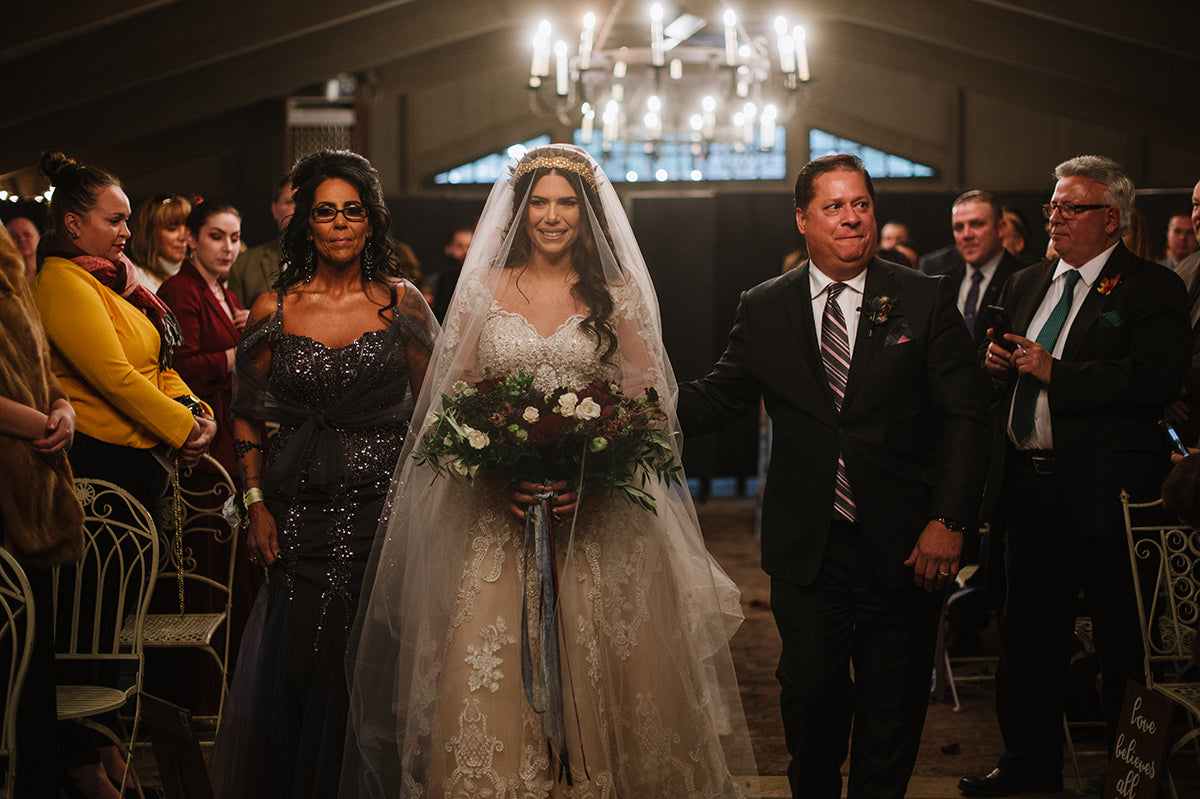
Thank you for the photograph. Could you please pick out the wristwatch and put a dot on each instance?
(953, 525)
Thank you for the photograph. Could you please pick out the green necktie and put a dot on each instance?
(1025, 398)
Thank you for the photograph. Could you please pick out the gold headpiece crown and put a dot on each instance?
(556, 162)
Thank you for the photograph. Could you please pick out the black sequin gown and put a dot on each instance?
(343, 414)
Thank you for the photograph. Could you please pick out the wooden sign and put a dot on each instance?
(1137, 760)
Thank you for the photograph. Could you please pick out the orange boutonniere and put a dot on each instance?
(1107, 284)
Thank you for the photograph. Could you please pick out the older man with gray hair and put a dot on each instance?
(1101, 345)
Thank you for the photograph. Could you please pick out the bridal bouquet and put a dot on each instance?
(593, 434)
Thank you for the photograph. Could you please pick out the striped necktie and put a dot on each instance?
(835, 355)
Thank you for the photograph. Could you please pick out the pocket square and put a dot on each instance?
(1111, 319)
(901, 333)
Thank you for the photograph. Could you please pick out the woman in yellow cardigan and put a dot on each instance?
(111, 339)
(110, 347)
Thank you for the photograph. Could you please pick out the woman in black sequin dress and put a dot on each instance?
(334, 358)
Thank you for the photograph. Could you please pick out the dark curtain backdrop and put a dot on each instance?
(703, 250)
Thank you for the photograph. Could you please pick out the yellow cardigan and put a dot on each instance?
(104, 352)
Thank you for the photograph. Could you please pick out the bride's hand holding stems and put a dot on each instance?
(522, 496)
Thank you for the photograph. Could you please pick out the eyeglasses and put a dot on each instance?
(327, 213)
(1068, 210)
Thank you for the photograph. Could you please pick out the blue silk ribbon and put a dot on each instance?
(542, 680)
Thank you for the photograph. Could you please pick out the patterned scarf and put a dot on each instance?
(121, 276)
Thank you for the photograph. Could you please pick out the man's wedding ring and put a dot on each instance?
(943, 574)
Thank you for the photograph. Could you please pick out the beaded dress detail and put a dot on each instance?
(342, 416)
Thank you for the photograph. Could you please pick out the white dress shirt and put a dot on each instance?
(1042, 436)
(850, 301)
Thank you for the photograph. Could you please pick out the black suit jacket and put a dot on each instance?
(940, 262)
(991, 295)
(913, 427)
(1123, 361)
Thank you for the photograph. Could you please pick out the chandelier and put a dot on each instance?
(687, 83)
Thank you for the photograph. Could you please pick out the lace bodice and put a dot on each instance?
(567, 357)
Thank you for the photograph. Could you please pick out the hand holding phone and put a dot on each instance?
(998, 321)
(1177, 444)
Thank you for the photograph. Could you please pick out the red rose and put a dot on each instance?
(548, 429)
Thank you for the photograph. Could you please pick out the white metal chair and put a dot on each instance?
(197, 556)
(16, 641)
(91, 598)
(1165, 558)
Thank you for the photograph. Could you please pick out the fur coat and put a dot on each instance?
(40, 514)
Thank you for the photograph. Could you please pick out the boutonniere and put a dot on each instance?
(879, 310)
(1107, 284)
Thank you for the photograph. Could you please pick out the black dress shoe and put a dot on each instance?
(1002, 783)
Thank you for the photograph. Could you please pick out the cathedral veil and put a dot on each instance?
(412, 591)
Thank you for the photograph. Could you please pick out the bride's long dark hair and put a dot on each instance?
(590, 289)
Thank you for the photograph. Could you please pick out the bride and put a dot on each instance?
(554, 285)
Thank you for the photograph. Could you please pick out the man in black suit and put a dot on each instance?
(1103, 347)
(977, 220)
(880, 446)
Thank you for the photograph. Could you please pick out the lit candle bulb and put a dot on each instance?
(676, 69)
(787, 46)
(562, 71)
(612, 113)
(767, 134)
(589, 120)
(709, 105)
(540, 67)
(654, 117)
(730, 20)
(587, 39)
(656, 35)
(801, 53)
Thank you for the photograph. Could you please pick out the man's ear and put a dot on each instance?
(800, 221)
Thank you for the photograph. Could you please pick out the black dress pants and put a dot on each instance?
(849, 616)
(1048, 559)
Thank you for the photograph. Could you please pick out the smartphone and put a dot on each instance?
(1173, 436)
(998, 321)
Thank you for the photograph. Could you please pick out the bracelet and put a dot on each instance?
(251, 496)
(953, 525)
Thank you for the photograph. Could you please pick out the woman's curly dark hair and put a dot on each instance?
(309, 173)
(591, 288)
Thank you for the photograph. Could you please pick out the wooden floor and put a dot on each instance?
(953, 743)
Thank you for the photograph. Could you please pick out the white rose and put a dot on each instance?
(588, 409)
(459, 467)
(531, 414)
(567, 403)
(447, 441)
(476, 438)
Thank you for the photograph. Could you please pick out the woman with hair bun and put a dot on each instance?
(334, 357)
(158, 238)
(111, 342)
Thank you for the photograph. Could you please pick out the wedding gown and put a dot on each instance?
(650, 704)
(639, 717)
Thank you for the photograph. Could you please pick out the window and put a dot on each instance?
(490, 167)
(682, 160)
(878, 163)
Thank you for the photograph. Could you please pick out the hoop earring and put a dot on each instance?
(367, 259)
